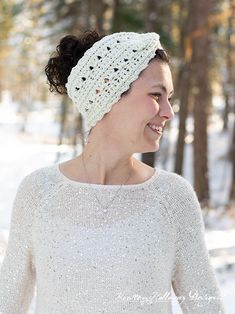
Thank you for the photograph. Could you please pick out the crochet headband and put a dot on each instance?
(107, 69)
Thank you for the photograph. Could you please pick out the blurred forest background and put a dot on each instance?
(38, 128)
(199, 36)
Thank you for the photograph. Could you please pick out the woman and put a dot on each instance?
(104, 232)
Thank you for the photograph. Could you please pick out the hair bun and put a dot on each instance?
(69, 50)
(67, 46)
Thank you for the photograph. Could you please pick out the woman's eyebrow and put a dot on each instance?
(163, 87)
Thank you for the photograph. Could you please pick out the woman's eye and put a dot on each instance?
(157, 95)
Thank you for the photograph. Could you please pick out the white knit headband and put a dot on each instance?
(107, 69)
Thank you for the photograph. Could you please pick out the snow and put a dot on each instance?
(21, 154)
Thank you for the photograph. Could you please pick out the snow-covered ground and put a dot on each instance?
(22, 154)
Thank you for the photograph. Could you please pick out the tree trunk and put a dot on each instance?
(232, 95)
(184, 87)
(201, 92)
(232, 191)
(228, 87)
(226, 110)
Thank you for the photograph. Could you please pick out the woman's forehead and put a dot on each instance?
(157, 68)
(157, 73)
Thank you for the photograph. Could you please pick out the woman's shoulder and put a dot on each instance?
(174, 181)
(39, 177)
(180, 195)
(176, 191)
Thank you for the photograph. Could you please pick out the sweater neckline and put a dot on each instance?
(107, 186)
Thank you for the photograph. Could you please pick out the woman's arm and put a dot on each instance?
(17, 273)
(193, 278)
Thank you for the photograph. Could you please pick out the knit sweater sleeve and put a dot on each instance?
(17, 273)
(193, 278)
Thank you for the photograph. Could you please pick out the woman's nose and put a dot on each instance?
(167, 111)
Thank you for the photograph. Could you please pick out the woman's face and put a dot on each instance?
(147, 101)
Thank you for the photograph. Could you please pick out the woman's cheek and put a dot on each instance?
(152, 108)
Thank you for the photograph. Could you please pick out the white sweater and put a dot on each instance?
(84, 260)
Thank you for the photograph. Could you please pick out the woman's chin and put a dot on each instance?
(151, 147)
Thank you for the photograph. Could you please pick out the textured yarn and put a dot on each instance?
(107, 69)
(83, 260)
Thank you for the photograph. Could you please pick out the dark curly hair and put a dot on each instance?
(69, 50)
